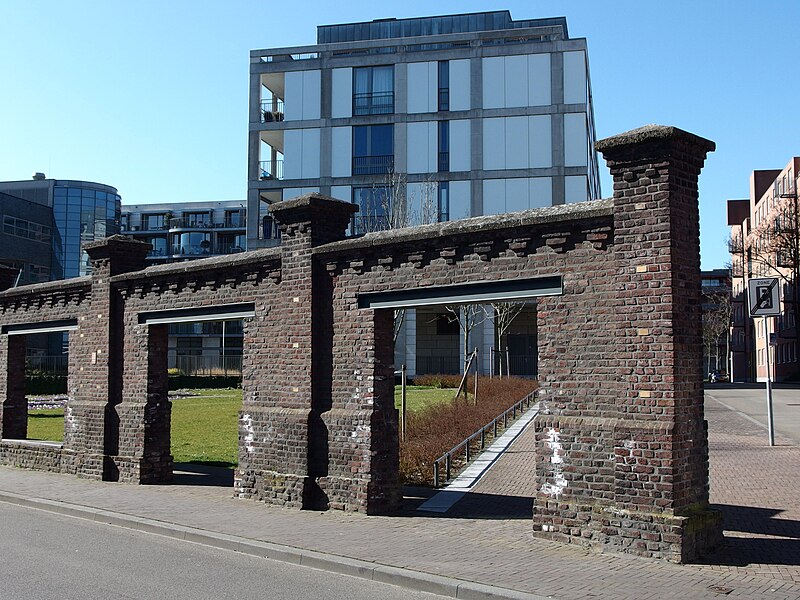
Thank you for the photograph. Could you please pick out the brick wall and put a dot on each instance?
(621, 439)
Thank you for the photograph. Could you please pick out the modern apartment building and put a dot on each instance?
(765, 242)
(187, 230)
(451, 116)
(180, 231)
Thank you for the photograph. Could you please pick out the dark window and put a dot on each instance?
(373, 149)
(444, 146)
(153, 222)
(443, 212)
(189, 346)
(446, 325)
(373, 90)
(373, 209)
(444, 85)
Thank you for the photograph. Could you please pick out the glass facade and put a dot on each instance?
(373, 149)
(82, 212)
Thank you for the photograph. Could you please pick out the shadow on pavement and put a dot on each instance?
(761, 521)
(471, 506)
(204, 475)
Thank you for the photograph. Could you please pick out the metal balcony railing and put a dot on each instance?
(191, 223)
(373, 103)
(444, 98)
(225, 366)
(373, 165)
(436, 365)
(51, 365)
(444, 162)
(271, 111)
(270, 169)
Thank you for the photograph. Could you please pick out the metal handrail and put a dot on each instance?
(447, 456)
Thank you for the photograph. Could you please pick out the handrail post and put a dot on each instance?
(436, 474)
(447, 466)
(466, 451)
(403, 403)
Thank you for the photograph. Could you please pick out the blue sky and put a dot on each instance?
(151, 97)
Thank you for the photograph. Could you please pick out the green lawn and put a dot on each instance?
(205, 427)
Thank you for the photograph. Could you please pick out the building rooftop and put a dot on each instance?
(380, 29)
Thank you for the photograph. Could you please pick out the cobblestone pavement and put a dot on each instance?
(487, 536)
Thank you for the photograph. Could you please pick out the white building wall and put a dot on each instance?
(514, 81)
(517, 142)
(460, 86)
(460, 141)
(575, 88)
(575, 136)
(422, 87)
(341, 151)
(422, 147)
(302, 90)
(342, 93)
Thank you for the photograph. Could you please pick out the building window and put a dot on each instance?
(159, 245)
(373, 209)
(192, 244)
(444, 146)
(447, 325)
(443, 201)
(38, 273)
(189, 346)
(234, 218)
(150, 222)
(25, 229)
(373, 90)
(444, 85)
(373, 149)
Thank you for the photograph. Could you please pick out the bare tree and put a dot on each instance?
(504, 314)
(468, 316)
(716, 325)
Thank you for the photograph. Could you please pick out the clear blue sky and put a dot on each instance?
(151, 96)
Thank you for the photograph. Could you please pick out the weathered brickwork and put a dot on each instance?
(621, 440)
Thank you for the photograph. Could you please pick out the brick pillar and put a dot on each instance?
(645, 489)
(14, 408)
(8, 277)
(282, 438)
(95, 363)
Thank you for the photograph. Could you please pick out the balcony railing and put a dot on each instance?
(444, 162)
(204, 249)
(373, 103)
(184, 223)
(434, 365)
(270, 169)
(373, 165)
(271, 111)
(53, 365)
(225, 366)
(362, 224)
(444, 98)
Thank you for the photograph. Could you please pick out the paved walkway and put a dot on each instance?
(486, 537)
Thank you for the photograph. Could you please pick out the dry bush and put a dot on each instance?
(438, 428)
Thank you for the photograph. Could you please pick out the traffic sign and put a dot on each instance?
(764, 296)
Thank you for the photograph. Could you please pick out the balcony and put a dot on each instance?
(373, 103)
(270, 169)
(204, 249)
(444, 98)
(362, 224)
(373, 165)
(271, 111)
(444, 162)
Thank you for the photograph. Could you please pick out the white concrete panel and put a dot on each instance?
(517, 191)
(342, 94)
(460, 200)
(540, 142)
(293, 102)
(494, 196)
(418, 87)
(493, 82)
(575, 140)
(541, 192)
(311, 94)
(574, 77)
(494, 144)
(539, 79)
(460, 145)
(311, 154)
(576, 189)
(292, 153)
(460, 85)
(516, 142)
(418, 158)
(341, 151)
(342, 192)
(433, 86)
(516, 81)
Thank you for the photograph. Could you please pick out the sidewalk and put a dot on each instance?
(486, 537)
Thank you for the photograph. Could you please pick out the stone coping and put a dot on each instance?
(46, 287)
(483, 224)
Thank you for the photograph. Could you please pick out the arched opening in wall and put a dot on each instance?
(46, 360)
(196, 358)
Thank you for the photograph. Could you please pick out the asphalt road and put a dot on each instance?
(48, 556)
(751, 401)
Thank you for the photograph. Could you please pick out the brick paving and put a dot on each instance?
(486, 537)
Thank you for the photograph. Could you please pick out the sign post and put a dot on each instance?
(764, 297)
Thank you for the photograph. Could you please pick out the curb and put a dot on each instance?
(409, 579)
